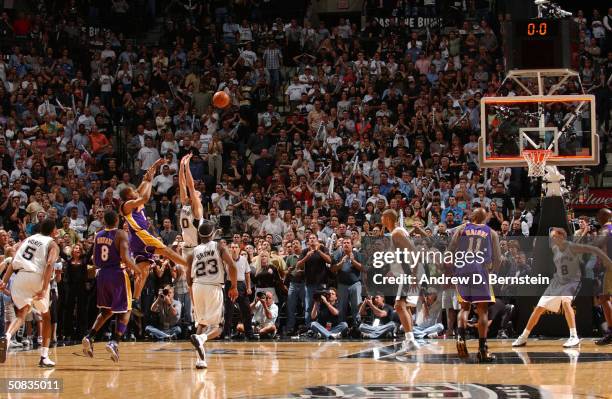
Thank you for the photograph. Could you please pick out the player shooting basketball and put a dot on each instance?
(142, 244)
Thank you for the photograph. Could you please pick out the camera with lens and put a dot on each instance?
(318, 294)
(261, 295)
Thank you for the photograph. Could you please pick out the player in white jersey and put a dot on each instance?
(33, 265)
(206, 268)
(407, 296)
(191, 207)
(563, 286)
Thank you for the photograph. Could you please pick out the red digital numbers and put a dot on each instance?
(540, 29)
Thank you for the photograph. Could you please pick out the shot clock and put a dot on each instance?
(536, 29)
(540, 44)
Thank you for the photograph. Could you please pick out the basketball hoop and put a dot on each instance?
(536, 161)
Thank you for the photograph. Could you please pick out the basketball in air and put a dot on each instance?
(221, 99)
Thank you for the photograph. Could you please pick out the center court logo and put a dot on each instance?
(423, 391)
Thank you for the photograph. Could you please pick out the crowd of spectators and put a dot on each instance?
(328, 126)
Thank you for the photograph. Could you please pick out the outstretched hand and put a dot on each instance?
(157, 164)
(153, 169)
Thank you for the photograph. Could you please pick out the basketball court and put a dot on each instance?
(323, 369)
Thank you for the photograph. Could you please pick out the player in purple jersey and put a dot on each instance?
(142, 244)
(604, 217)
(481, 243)
(112, 283)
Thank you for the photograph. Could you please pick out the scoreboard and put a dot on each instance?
(541, 44)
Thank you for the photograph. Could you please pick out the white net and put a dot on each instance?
(536, 161)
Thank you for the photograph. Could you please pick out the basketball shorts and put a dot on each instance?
(477, 290)
(556, 293)
(24, 286)
(113, 290)
(208, 304)
(408, 293)
(143, 246)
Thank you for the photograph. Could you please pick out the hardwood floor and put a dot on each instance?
(340, 368)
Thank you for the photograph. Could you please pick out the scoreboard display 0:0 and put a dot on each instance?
(536, 28)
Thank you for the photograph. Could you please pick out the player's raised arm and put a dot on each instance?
(182, 182)
(145, 187)
(196, 201)
(124, 251)
(233, 272)
(143, 193)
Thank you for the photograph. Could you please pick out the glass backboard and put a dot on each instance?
(563, 124)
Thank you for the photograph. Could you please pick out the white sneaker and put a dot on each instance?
(571, 342)
(15, 344)
(198, 344)
(26, 342)
(46, 362)
(201, 364)
(336, 336)
(520, 341)
(408, 346)
(87, 346)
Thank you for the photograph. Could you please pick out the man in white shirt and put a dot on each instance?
(376, 195)
(295, 90)
(77, 223)
(481, 198)
(150, 130)
(19, 170)
(266, 118)
(46, 107)
(17, 192)
(265, 312)
(221, 198)
(248, 55)
(147, 155)
(246, 34)
(87, 119)
(273, 225)
(307, 77)
(163, 181)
